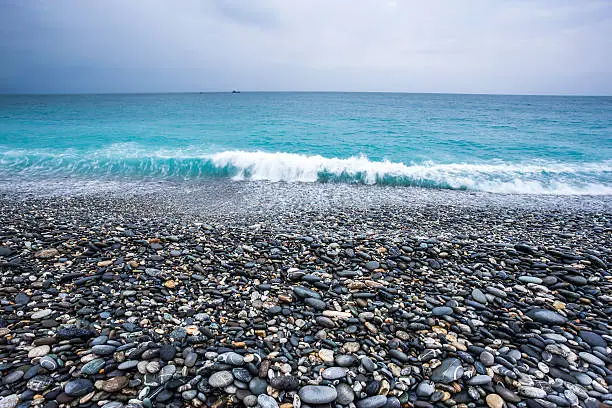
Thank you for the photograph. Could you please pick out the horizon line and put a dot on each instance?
(317, 91)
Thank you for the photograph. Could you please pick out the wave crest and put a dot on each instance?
(497, 177)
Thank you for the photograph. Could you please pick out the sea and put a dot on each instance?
(558, 145)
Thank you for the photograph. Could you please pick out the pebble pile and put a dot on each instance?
(107, 310)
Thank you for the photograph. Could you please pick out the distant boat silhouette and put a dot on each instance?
(235, 91)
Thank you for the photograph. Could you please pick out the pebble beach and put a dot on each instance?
(272, 295)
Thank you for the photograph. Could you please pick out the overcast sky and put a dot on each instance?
(473, 46)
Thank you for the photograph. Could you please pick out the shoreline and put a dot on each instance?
(314, 295)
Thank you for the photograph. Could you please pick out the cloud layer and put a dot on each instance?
(475, 46)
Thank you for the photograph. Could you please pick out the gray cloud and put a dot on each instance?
(482, 46)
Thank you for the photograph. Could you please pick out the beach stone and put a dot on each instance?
(425, 388)
(442, 311)
(375, 401)
(334, 373)
(46, 253)
(591, 359)
(345, 360)
(115, 384)
(221, 379)
(39, 351)
(479, 296)
(450, 370)
(41, 314)
(546, 316)
(93, 367)
(317, 394)
(326, 355)
(494, 401)
(128, 365)
(258, 385)
(285, 382)
(78, 387)
(103, 349)
(265, 401)
(480, 380)
(10, 401)
(167, 352)
(48, 363)
(231, 358)
(13, 377)
(532, 392)
(40, 383)
(487, 358)
(592, 339)
(346, 395)
(242, 374)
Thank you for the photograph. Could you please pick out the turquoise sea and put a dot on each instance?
(501, 144)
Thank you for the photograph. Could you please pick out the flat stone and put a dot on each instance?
(480, 380)
(46, 253)
(103, 349)
(546, 316)
(591, 359)
(78, 387)
(41, 314)
(346, 395)
(115, 384)
(532, 392)
(93, 367)
(592, 339)
(266, 401)
(167, 352)
(285, 382)
(221, 379)
(10, 401)
(479, 296)
(40, 383)
(334, 373)
(317, 394)
(442, 311)
(375, 401)
(231, 358)
(450, 370)
(39, 351)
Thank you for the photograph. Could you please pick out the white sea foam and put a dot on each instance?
(127, 160)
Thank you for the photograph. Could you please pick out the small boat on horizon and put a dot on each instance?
(235, 91)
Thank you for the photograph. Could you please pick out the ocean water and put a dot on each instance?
(500, 144)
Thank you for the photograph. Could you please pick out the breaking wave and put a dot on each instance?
(120, 161)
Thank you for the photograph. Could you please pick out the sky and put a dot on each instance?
(454, 46)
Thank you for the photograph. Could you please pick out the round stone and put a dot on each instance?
(231, 358)
(317, 394)
(221, 379)
(48, 363)
(266, 401)
(346, 395)
(450, 370)
(495, 401)
(425, 389)
(258, 385)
